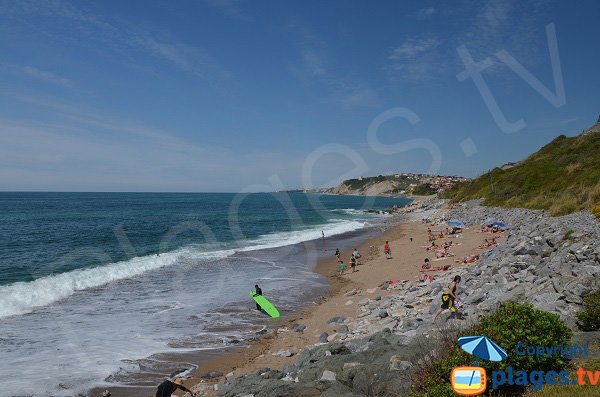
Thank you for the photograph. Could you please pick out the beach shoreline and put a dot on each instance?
(281, 345)
(214, 359)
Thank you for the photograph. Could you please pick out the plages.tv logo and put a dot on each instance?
(471, 381)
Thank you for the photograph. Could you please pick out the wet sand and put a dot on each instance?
(372, 271)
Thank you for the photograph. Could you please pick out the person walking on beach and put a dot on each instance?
(386, 250)
(353, 263)
(448, 299)
(323, 234)
(258, 292)
(342, 266)
(169, 386)
(337, 254)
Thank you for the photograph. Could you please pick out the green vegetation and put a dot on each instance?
(424, 189)
(562, 177)
(402, 182)
(589, 317)
(511, 324)
(568, 234)
(356, 184)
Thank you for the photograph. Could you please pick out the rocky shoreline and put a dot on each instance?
(549, 262)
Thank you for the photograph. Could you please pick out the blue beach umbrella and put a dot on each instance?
(490, 221)
(499, 225)
(455, 223)
(482, 347)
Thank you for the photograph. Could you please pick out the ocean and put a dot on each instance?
(96, 289)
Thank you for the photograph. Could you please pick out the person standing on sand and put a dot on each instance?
(342, 266)
(448, 298)
(169, 386)
(258, 292)
(337, 254)
(323, 234)
(353, 263)
(386, 250)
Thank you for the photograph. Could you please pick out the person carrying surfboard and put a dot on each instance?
(169, 386)
(258, 292)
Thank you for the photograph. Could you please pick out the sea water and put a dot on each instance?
(93, 286)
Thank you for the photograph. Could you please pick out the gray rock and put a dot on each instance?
(323, 337)
(328, 375)
(212, 375)
(298, 327)
(336, 320)
(284, 353)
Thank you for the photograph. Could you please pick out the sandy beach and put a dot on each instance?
(373, 269)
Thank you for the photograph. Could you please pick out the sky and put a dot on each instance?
(243, 96)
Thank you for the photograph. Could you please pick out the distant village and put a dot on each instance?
(438, 182)
(400, 184)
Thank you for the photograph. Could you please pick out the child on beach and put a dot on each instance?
(448, 298)
(342, 266)
(386, 250)
(426, 264)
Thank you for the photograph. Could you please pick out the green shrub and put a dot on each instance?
(568, 234)
(596, 210)
(589, 317)
(515, 323)
(511, 324)
(424, 189)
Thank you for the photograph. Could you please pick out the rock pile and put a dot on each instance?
(551, 262)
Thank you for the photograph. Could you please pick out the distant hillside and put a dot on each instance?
(562, 177)
(372, 186)
(405, 183)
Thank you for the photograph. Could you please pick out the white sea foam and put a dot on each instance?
(24, 297)
(282, 239)
(349, 211)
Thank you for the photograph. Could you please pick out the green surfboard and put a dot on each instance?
(265, 304)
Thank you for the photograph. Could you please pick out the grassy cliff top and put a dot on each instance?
(562, 177)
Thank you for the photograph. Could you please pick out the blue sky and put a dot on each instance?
(225, 95)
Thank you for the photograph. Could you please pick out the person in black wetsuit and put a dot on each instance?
(258, 292)
(168, 387)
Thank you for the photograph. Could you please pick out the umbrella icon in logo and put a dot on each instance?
(482, 347)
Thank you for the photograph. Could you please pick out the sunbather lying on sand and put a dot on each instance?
(488, 243)
(443, 253)
(468, 258)
(432, 247)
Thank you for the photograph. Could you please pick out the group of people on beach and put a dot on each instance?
(353, 260)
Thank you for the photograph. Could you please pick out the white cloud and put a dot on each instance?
(425, 13)
(363, 96)
(230, 8)
(313, 63)
(412, 48)
(38, 74)
(122, 36)
(415, 59)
